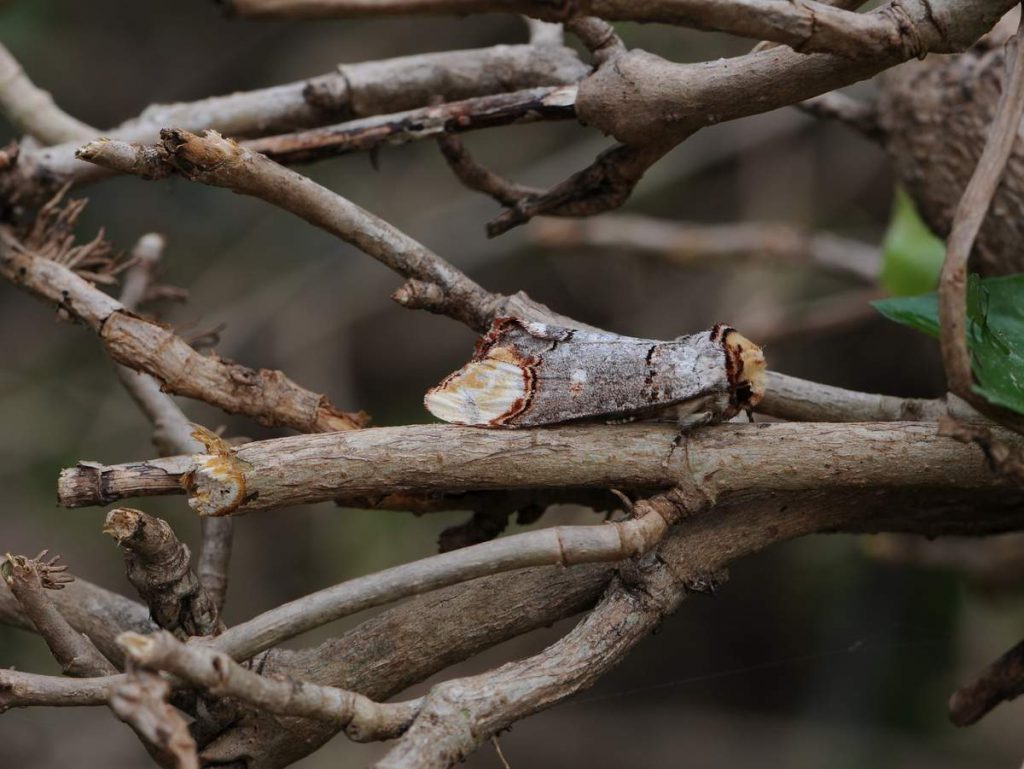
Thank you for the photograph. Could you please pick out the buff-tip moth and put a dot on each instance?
(526, 374)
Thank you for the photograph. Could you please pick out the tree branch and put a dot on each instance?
(26, 690)
(158, 567)
(1001, 681)
(28, 580)
(353, 90)
(217, 675)
(433, 283)
(807, 26)
(302, 469)
(141, 702)
(970, 214)
(528, 106)
(688, 244)
(459, 715)
(268, 396)
(32, 110)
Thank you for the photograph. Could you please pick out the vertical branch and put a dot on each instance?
(141, 702)
(172, 431)
(158, 567)
(970, 214)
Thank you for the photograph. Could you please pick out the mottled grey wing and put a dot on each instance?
(527, 374)
(586, 375)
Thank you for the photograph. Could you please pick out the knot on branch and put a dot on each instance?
(216, 482)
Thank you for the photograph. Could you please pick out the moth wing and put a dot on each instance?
(485, 392)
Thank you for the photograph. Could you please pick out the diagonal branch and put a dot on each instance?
(1001, 681)
(32, 110)
(268, 396)
(433, 283)
(459, 715)
(29, 580)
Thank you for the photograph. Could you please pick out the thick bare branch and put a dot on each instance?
(482, 612)
(268, 396)
(28, 580)
(460, 715)
(427, 458)
(217, 675)
(687, 243)
(159, 568)
(32, 110)
(806, 26)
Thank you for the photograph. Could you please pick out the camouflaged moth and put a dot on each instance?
(526, 374)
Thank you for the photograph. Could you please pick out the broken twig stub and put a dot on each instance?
(525, 374)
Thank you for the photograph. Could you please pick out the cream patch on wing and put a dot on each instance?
(489, 391)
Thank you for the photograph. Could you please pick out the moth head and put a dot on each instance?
(746, 369)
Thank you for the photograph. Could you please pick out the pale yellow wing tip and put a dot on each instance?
(486, 392)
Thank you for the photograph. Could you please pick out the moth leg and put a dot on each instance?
(687, 423)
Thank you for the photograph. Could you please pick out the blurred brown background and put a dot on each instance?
(812, 655)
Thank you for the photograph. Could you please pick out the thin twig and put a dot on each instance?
(1001, 681)
(535, 104)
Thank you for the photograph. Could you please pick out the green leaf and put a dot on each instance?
(995, 333)
(911, 255)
